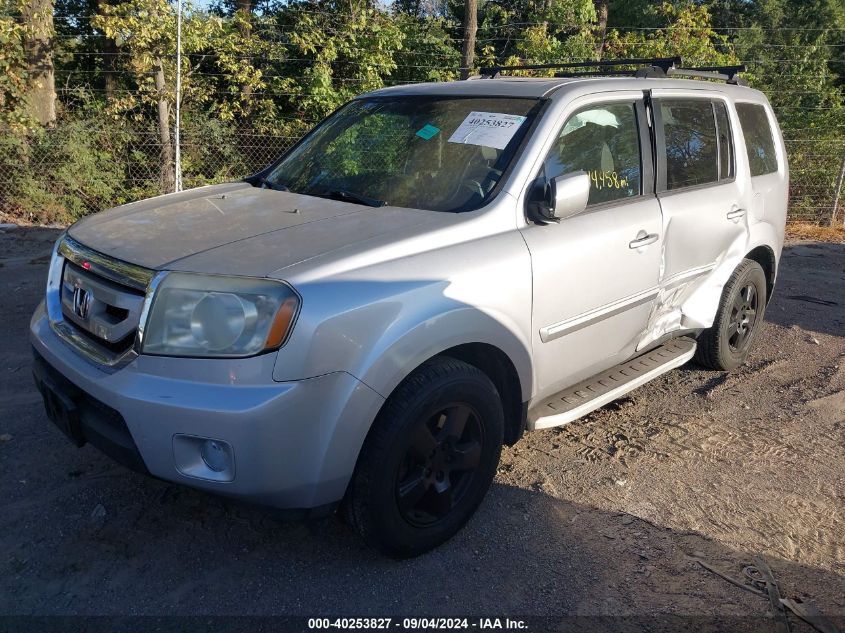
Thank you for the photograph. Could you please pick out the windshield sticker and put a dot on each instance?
(427, 131)
(489, 129)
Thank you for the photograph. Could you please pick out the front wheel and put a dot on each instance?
(726, 345)
(428, 460)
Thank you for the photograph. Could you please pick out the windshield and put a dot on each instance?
(442, 154)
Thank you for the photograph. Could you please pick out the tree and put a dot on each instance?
(602, 9)
(147, 29)
(538, 31)
(427, 54)
(685, 30)
(470, 28)
(795, 51)
(358, 54)
(37, 15)
(13, 70)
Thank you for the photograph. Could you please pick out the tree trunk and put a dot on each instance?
(244, 7)
(168, 174)
(41, 90)
(470, 27)
(601, 29)
(110, 52)
(110, 73)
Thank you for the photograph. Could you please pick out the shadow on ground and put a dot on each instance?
(809, 286)
(81, 535)
(158, 549)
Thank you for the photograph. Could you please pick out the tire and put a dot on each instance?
(726, 345)
(415, 484)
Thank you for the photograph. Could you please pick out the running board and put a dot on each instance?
(579, 400)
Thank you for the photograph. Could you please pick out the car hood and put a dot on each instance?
(238, 229)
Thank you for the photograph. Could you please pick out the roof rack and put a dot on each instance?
(649, 67)
(729, 74)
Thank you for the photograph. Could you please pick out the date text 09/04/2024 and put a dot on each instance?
(417, 623)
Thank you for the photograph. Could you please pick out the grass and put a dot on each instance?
(806, 231)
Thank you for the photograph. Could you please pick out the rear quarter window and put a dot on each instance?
(759, 141)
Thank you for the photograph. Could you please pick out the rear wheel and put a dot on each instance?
(726, 345)
(428, 460)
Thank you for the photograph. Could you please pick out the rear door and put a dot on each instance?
(704, 207)
(595, 274)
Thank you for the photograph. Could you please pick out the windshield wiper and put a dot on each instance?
(266, 183)
(351, 196)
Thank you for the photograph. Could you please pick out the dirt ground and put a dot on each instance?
(604, 517)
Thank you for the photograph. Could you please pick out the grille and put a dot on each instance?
(101, 300)
(102, 309)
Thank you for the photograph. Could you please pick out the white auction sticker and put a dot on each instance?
(490, 129)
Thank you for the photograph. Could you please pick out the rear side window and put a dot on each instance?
(602, 140)
(759, 142)
(692, 147)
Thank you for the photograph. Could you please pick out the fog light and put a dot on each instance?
(214, 456)
(204, 457)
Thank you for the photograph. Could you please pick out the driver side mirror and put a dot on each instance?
(567, 195)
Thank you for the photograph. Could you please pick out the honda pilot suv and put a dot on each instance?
(433, 270)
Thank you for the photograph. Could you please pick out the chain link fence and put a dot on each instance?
(78, 168)
(814, 166)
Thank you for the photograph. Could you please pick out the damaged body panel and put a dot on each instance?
(708, 229)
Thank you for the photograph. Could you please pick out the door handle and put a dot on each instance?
(735, 214)
(643, 239)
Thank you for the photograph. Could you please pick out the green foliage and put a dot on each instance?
(146, 31)
(426, 54)
(257, 76)
(344, 50)
(537, 32)
(12, 68)
(86, 168)
(684, 30)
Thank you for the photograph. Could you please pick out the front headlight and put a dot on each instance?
(208, 315)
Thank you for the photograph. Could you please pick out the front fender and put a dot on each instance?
(395, 327)
(395, 357)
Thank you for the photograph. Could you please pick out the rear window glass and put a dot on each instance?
(692, 149)
(759, 142)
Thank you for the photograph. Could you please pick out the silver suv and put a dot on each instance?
(431, 271)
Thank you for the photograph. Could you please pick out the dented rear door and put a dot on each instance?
(704, 208)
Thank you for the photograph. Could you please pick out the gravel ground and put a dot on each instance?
(606, 516)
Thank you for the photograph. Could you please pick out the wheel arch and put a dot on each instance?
(492, 343)
(765, 256)
(501, 371)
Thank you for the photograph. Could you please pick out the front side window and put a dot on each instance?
(692, 149)
(441, 154)
(759, 143)
(603, 141)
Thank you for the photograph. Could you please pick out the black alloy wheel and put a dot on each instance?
(428, 459)
(441, 461)
(727, 343)
(743, 318)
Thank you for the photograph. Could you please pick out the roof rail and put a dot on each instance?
(655, 67)
(661, 63)
(729, 74)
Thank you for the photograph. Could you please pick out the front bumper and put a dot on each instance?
(294, 444)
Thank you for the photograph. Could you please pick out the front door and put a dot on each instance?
(596, 274)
